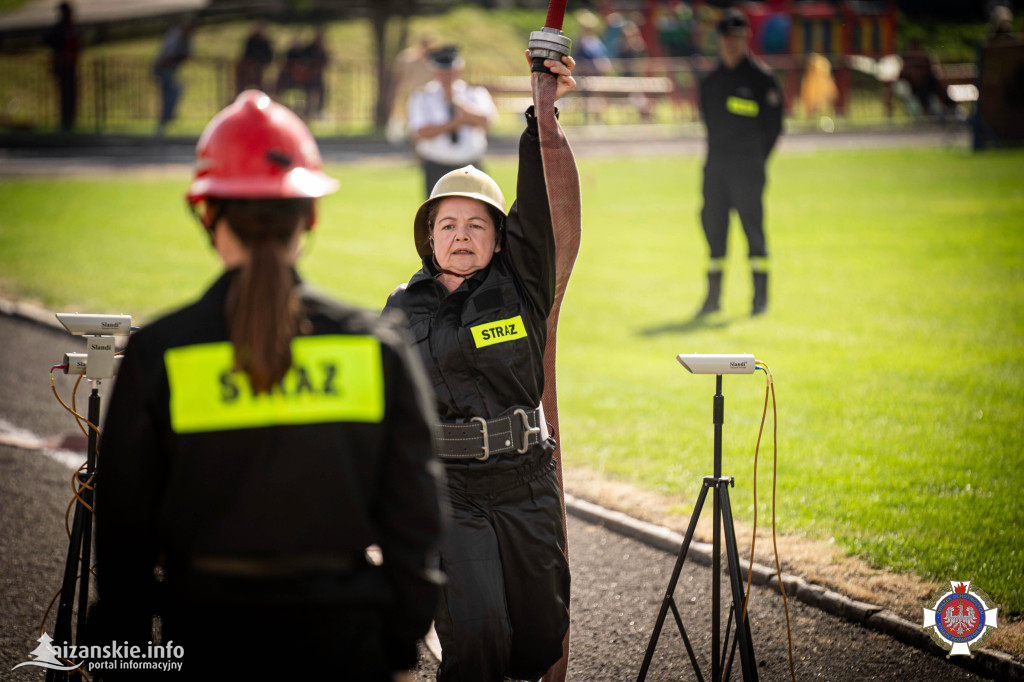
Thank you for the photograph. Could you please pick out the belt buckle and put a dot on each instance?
(487, 444)
(527, 430)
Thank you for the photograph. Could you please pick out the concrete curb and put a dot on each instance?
(988, 662)
(30, 312)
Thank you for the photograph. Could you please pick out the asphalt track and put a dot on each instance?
(618, 581)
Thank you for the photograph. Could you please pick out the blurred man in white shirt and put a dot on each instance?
(448, 119)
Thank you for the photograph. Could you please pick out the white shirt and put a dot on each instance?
(428, 106)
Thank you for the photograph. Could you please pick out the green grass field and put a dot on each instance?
(895, 335)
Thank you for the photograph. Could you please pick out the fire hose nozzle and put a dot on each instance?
(549, 43)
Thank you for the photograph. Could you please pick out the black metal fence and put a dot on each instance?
(119, 94)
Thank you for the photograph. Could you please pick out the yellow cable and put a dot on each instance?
(775, 547)
(770, 388)
(53, 385)
(77, 486)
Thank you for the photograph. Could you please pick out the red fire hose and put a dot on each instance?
(563, 187)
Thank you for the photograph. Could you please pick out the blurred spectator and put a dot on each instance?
(448, 119)
(256, 56)
(614, 24)
(1000, 27)
(590, 52)
(413, 70)
(292, 73)
(63, 39)
(592, 59)
(818, 90)
(413, 66)
(315, 58)
(920, 73)
(176, 48)
(676, 31)
(634, 48)
(775, 37)
(302, 71)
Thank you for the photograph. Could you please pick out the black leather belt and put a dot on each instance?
(480, 438)
(276, 567)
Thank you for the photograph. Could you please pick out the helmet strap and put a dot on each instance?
(208, 227)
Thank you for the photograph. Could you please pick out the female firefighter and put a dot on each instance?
(478, 312)
(259, 440)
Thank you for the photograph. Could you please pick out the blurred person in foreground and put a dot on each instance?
(261, 439)
(478, 311)
(741, 105)
(449, 119)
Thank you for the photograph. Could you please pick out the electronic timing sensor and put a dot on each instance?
(96, 325)
(709, 363)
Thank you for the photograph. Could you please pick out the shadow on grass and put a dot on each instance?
(697, 323)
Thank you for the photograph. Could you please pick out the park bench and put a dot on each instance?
(959, 82)
(513, 93)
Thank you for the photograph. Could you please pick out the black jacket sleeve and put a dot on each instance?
(129, 483)
(703, 88)
(771, 116)
(409, 516)
(529, 235)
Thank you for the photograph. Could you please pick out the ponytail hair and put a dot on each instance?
(262, 308)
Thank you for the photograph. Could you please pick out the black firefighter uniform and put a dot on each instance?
(259, 509)
(742, 109)
(505, 608)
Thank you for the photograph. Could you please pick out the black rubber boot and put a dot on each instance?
(711, 304)
(760, 293)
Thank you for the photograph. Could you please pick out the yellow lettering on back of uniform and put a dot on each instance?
(741, 106)
(499, 331)
(332, 378)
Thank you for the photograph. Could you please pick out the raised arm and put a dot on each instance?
(562, 178)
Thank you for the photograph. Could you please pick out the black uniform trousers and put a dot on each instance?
(734, 182)
(520, 599)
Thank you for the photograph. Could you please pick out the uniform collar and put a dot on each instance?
(744, 60)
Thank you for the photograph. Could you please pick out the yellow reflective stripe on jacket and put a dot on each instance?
(741, 106)
(500, 331)
(332, 378)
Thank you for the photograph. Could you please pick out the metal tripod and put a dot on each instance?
(722, 512)
(79, 549)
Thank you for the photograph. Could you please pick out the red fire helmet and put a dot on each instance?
(256, 148)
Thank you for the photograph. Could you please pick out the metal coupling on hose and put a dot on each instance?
(549, 43)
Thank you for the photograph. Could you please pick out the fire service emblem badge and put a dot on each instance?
(960, 619)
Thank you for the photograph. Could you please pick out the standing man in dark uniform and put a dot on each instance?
(741, 104)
